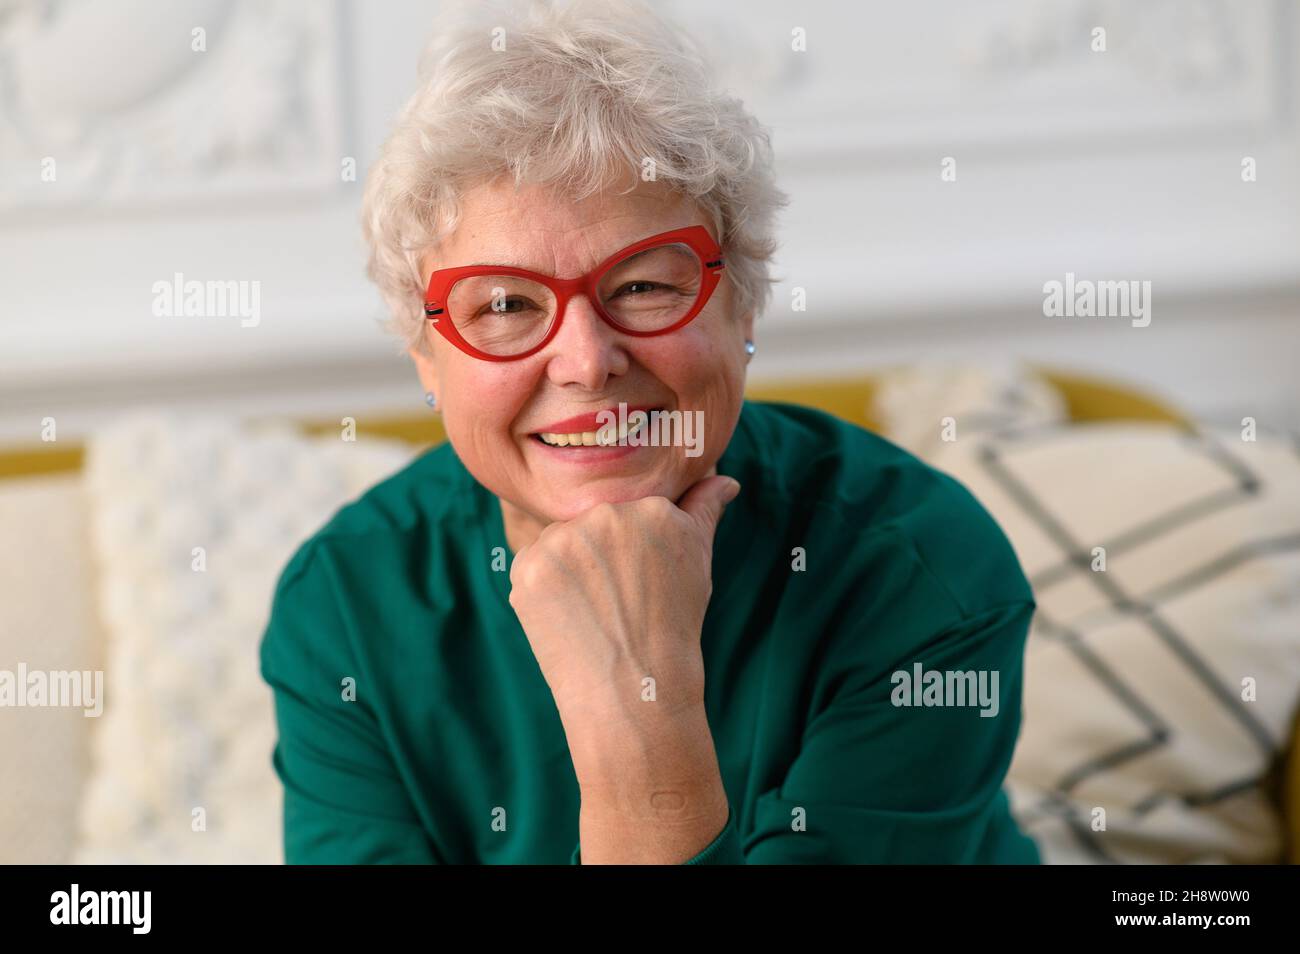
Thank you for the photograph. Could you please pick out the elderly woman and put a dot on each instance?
(558, 639)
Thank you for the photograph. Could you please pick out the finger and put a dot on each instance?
(515, 559)
(708, 499)
(681, 498)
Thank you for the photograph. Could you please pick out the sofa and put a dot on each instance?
(1159, 721)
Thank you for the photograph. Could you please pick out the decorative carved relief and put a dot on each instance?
(1003, 72)
(132, 104)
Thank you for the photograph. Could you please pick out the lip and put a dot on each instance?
(590, 457)
(581, 423)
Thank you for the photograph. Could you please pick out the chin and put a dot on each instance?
(581, 499)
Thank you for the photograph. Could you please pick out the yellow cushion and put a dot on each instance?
(1291, 795)
(1086, 398)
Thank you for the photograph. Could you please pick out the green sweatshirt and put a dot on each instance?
(862, 654)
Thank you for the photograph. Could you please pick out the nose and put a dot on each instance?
(586, 350)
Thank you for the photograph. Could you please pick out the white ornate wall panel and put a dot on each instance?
(225, 165)
(878, 80)
(135, 106)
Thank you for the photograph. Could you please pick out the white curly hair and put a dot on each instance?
(572, 96)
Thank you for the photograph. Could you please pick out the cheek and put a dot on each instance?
(700, 367)
(480, 407)
(706, 372)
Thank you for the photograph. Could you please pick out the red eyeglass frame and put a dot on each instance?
(696, 237)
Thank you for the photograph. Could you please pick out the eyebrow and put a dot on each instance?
(509, 263)
(515, 263)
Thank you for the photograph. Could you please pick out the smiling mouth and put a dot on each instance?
(604, 437)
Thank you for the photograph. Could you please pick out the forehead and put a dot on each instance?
(539, 228)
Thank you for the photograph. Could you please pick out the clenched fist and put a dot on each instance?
(617, 596)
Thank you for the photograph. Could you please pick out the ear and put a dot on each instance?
(747, 325)
(422, 354)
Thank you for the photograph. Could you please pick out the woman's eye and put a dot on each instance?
(505, 306)
(639, 288)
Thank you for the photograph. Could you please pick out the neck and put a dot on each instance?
(522, 528)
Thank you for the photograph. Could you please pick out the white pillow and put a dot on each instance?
(47, 622)
(188, 722)
(914, 404)
(1135, 674)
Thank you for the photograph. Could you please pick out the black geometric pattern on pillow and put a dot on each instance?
(998, 458)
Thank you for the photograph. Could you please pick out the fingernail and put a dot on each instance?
(733, 489)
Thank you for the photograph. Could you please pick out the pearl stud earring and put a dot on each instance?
(750, 348)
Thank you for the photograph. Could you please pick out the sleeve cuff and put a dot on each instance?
(723, 850)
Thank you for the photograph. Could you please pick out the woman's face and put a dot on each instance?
(493, 411)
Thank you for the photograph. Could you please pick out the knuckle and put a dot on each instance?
(524, 572)
(602, 512)
(658, 506)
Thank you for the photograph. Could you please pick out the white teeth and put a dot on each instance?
(591, 438)
(635, 429)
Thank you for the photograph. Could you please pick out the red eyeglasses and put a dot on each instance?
(502, 313)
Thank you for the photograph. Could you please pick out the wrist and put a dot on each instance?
(653, 698)
(620, 759)
(654, 817)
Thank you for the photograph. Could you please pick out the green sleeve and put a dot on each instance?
(344, 802)
(880, 783)
(723, 850)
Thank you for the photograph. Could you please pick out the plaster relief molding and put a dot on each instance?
(130, 112)
(1185, 45)
(945, 74)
